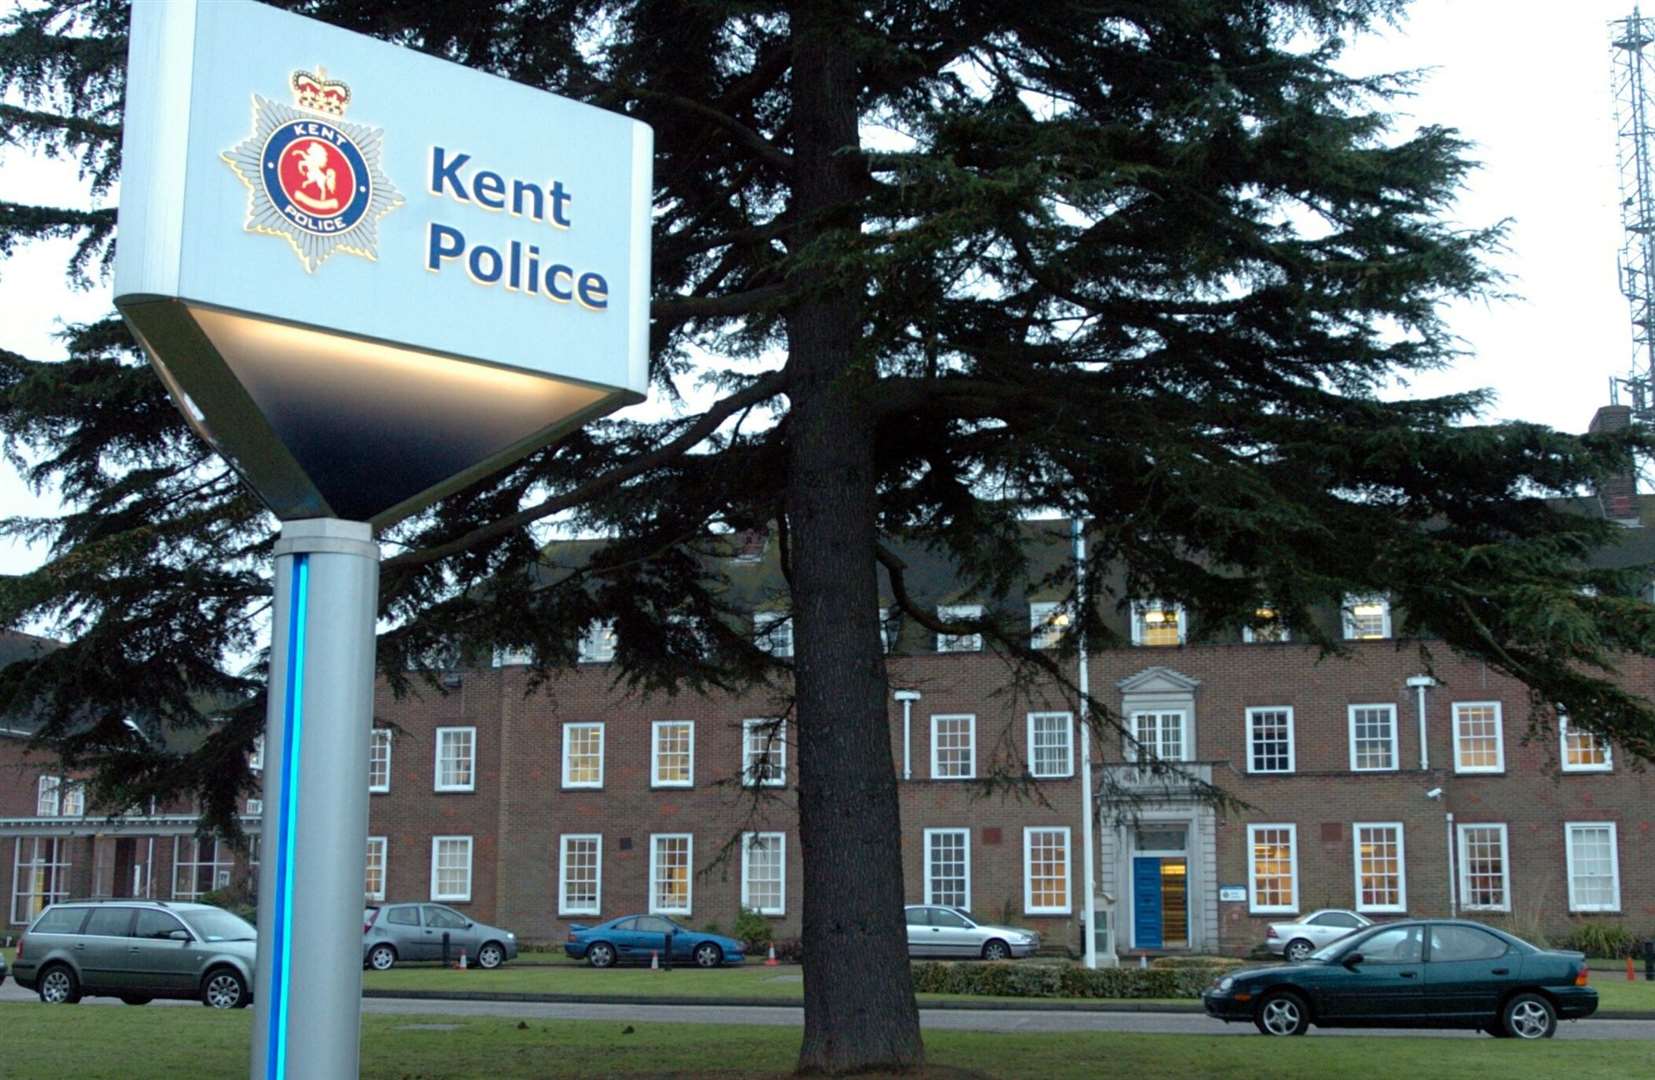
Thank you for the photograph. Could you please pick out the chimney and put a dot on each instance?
(1618, 494)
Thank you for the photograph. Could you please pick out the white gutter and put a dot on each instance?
(907, 697)
(1084, 684)
(1419, 683)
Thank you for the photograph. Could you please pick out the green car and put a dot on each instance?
(1433, 973)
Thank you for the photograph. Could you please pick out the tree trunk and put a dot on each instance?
(859, 1001)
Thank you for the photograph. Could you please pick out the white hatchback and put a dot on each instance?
(1297, 940)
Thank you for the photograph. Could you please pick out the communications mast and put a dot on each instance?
(1634, 79)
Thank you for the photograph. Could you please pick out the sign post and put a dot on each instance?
(368, 278)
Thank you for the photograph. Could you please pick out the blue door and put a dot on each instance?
(1146, 902)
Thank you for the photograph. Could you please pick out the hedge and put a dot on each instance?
(1009, 979)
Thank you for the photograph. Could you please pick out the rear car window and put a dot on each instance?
(109, 921)
(59, 920)
(403, 916)
(1451, 943)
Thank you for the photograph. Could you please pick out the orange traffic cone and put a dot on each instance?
(770, 961)
(654, 960)
(1631, 972)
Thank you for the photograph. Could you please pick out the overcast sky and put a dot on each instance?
(1528, 83)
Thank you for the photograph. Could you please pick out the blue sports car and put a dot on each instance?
(637, 937)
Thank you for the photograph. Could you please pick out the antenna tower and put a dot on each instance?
(1634, 81)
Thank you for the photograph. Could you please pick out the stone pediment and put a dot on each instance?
(1157, 681)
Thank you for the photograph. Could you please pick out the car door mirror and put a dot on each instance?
(178, 935)
(1351, 959)
(469, 924)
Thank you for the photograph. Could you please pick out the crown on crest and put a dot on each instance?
(320, 94)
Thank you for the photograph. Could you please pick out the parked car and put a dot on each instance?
(935, 930)
(2, 969)
(1436, 973)
(416, 932)
(1296, 940)
(138, 950)
(635, 938)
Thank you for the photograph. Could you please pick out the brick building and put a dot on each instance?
(1359, 783)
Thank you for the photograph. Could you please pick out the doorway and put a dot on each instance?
(1160, 887)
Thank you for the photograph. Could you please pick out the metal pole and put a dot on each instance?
(1083, 677)
(1453, 884)
(308, 988)
(907, 697)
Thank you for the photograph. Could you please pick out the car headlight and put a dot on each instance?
(1225, 983)
(511, 935)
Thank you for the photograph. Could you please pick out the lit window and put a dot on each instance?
(1273, 869)
(773, 632)
(583, 755)
(509, 657)
(672, 753)
(1582, 751)
(379, 761)
(199, 866)
(669, 873)
(1478, 746)
(1381, 884)
(1373, 738)
(1046, 871)
(1485, 874)
(597, 645)
(373, 881)
(1270, 740)
(764, 872)
(40, 876)
(255, 757)
(890, 627)
(580, 874)
(1157, 622)
(456, 759)
(1158, 736)
(764, 753)
(948, 867)
(1051, 744)
(1047, 623)
(1594, 866)
(451, 868)
(953, 747)
(47, 797)
(1269, 628)
(1367, 618)
(958, 613)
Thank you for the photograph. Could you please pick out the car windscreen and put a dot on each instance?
(215, 925)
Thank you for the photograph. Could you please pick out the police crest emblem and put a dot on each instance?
(312, 177)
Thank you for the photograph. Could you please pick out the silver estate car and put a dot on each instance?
(138, 950)
(1298, 938)
(416, 932)
(937, 931)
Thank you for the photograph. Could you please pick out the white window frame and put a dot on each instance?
(1144, 754)
(597, 644)
(471, 761)
(436, 848)
(48, 800)
(509, 657)
(1401, 904)
(222, 862)
(655, 729)
(1029, 907)
(1563, 734)
(379, 737)
(1068, 768)
(380, 844)
(1461, 830)
(56, 868)
(965, 846)
(1047, 622)
(255, 807)
(689, 873)
(1396, 737)
(1141, 608)
(1284, 634)
(1253, 906)
(1253, 713)
(971, 729)
(780, 840)
(954, 643)
(1347, 617)
(757, 742)
(1499, 765)
(255, 756)
(1569, 828)
(583, 725)
(74, 797)
(564, 907)
(886, 640)
(773, 632)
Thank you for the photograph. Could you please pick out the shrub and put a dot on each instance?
(789, 950)
(1607, 941)
(1010, 979)
(237, 898)
(752, 929)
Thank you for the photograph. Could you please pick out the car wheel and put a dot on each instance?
(58, 986)
(600, 954)
(1282, 1012)
(996, 950)
(1529, 1016)
(382, 957)
(490, 956)
(1299, 950)
(135, 999)
(223, 989)
(708, 955)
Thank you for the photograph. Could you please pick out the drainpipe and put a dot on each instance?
(1453, 883)
(907, 697)
(1419, 683)
(1083, 682)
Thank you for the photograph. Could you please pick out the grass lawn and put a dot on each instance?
(107, 1043)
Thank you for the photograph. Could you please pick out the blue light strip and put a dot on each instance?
(286, 826)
